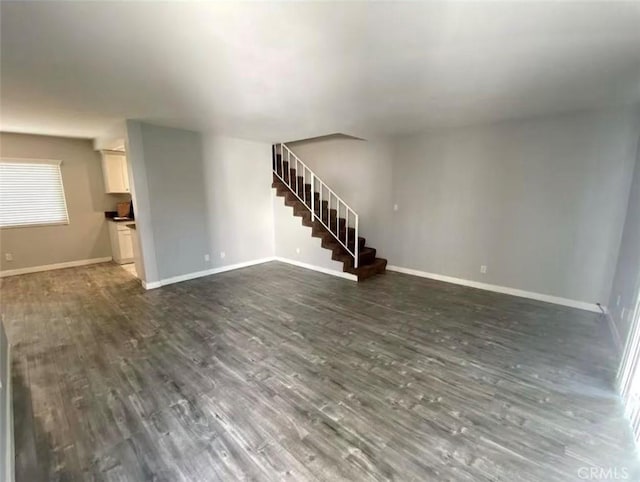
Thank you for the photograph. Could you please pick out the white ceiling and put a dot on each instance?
(273, 71)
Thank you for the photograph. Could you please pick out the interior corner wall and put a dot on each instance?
(540, 202)
(626, 282)
(169, 199)
(237, 175)
(359, 171)
(86, 236)
(141, 202)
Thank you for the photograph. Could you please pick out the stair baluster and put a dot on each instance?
(317, 210)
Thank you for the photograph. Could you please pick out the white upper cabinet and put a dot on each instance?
(116, 174)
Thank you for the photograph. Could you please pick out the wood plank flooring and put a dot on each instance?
(274, 372)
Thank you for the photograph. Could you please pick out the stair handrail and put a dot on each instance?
(315, 179)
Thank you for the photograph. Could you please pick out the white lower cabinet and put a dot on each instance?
(121, 243)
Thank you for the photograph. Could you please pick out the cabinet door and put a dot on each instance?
(115, 241)
(116, 176)
(126, 244)
(111, 172)
(125, 174)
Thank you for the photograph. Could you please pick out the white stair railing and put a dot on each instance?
(282, 154)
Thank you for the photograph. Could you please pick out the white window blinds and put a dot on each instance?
(31, 193)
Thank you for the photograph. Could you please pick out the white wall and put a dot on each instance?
(237, 175)
(540, 202)
(198, 195)
(360, 173)
(174, 163)
(141, 202)
(626, 282)
(169, 196)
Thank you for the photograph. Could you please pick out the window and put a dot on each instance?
(31, 193)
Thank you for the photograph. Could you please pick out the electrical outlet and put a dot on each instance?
(297, 250)
(8, 256)
(483, 269)
(395, 207)
(222, 254)
(207, 257)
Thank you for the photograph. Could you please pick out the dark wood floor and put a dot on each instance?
(274, 372)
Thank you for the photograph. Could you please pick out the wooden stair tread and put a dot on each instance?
(369, 265)
(363, 272)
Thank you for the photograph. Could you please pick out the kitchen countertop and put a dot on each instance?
(128, 220)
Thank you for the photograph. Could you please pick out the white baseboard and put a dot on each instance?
(206, 272)
(582, 305)
(332, 272)
(50, 267)
(222, 269)
(617, 339)
(150, 286)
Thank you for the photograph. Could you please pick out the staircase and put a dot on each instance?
(329, 217)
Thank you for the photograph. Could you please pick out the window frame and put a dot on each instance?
(56, 162)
